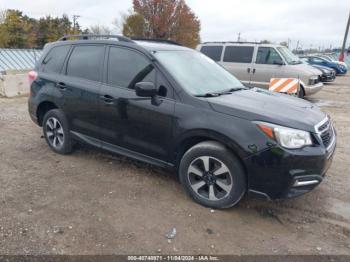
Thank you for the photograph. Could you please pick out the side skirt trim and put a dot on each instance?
(120, 150)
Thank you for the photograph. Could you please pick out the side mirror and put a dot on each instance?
(146, 89)
(278, 62)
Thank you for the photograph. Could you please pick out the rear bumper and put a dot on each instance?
(312, 89)
(32, 107)
(277, 173)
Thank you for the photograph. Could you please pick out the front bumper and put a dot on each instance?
(327, 77)
(278, 173)
(312, 89)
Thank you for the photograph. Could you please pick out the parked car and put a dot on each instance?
(328, 74)
(316, 60)
(334, 60)
(255, 64)
(174, 107)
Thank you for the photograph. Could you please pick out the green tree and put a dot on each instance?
(134, 26)
(20, 31)
(12, 29)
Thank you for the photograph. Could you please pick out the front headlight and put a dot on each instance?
(287, 137)
(313, 80)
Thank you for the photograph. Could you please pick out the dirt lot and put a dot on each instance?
(92, 202)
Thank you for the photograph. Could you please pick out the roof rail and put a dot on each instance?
(156, 40)
(94, 36)
(231, 42)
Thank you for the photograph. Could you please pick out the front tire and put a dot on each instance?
(56, 132)
(212, 175)
(301, 93)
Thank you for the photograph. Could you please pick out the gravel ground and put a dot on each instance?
(92, 202)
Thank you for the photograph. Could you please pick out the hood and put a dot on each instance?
(261, 105)
(309, 69)
(324, 69)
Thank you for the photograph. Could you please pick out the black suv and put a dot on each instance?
(171, 106)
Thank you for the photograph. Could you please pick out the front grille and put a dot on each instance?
(324, 126)
(327, 137)
(326, 133)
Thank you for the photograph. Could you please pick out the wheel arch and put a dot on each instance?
(43, 108)
(194, 137)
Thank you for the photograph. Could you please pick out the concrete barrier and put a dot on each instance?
(14, 83)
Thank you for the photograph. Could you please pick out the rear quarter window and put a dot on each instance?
(214, 52)
(53, 62)
(238, 54)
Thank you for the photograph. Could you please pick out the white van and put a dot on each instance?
(255, 64)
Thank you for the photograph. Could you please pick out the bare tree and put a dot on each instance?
(120, 21)
(3, 14)
(100, 30)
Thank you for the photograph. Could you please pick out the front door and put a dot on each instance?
(142, 125)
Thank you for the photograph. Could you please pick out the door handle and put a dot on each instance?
(254, 70)
(61, 85)
(248, 70)
(107, 99)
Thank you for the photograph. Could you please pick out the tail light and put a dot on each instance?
(32, 76)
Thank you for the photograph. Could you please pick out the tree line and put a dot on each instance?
(159, 19)
(21, 31)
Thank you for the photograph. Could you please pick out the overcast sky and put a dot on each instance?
(320, 23)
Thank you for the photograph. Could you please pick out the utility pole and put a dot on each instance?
(342, 54)
(75, 18)
(239, 37)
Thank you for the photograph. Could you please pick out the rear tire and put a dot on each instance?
(56, 132)
(212, 175)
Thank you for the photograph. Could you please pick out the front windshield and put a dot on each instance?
(289, 56)
(197, 73)
(327, 58)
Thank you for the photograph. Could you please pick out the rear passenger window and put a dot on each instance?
(267, 55)
(54, 60)
(239, 54)
(86, 62)
(214, 52)
(127, 67)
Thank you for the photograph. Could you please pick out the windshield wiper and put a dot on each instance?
(225, 92)
(230, 91)
(209, 95)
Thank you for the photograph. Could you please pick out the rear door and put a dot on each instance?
(80, 87)
(266, 67)
(135, 123)
(238, 61)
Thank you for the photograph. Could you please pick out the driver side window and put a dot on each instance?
(318, 60)
(127, 67)
(267, 56)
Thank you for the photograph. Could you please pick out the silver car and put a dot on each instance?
(255, 64)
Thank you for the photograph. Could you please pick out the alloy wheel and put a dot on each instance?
(210, 178)
(54, 132)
